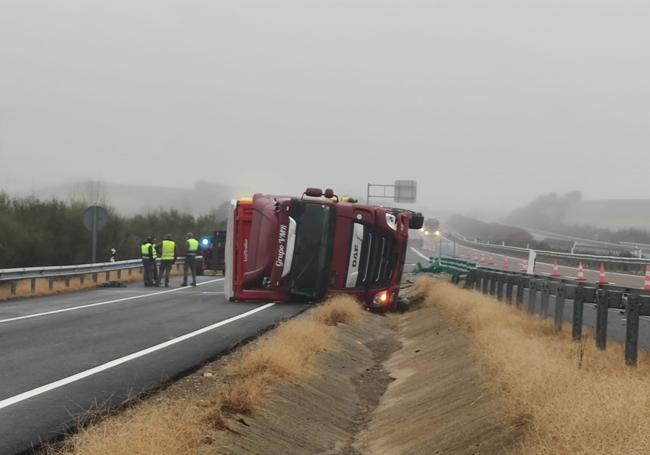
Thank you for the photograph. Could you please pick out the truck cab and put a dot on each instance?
(282, 248)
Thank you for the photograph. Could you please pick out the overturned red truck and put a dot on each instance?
(282, 248)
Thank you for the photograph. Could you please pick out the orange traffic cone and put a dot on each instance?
(556, 269)
(646, 284)
(602, 276)
(524, 266)
(505, 264)
(581, 272)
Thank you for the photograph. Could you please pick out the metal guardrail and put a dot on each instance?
(445, 264)
(63, 270)
(13, 276)
(534, 293)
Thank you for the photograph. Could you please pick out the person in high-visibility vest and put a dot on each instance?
(191, 249)
(154, 264)
(148, 259)
(167, 259)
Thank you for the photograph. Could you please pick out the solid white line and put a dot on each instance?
(415, 251)
(113, 363)
(90, 305)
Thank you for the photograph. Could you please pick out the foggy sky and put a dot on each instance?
(485, 103)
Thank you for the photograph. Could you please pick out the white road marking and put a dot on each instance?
(90, 305)
(415, 251)
(113, 363)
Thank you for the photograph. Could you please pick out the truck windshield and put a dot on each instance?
(313, 249)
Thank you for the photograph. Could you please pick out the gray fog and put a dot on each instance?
(485, 103)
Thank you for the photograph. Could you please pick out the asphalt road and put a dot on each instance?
(515, 264)
(66, 354)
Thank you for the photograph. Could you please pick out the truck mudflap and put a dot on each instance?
(229, 252)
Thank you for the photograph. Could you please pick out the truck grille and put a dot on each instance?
(378, 259)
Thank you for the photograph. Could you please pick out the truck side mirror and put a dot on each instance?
(329, 193)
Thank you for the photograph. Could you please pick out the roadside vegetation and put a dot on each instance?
(493, 232)
(180, 424)
(40, 233)
(577, 399)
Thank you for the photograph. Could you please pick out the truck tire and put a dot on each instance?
(417, 221)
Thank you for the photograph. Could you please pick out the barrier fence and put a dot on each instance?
(12, 277)
(535, 294)
(613, 263)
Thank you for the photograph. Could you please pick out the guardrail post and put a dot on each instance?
(119, 274)
(129, 272)
(578, 310)
(521, 285)
(13, 285)
(602, 311)
(94, 277)
(82, 278)
(477, 279)
(33, 285)
(108, 276)
(469, 280)
(632, 329)
(67, 281)
(510, 281)
(544, 301)
(50, 283)
(532, 296)
(559, 306)
(500, 286)
(493, 283)
(485, 282)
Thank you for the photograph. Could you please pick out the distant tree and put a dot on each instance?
(39, 233)
(545, 212)
(492, 232)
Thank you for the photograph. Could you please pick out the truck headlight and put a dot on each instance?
(381, 298)
(391, 221)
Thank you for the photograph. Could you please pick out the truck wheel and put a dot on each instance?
(417, 221)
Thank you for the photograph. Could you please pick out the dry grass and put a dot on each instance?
(275, 359)
(165, 427)
(420, 288)
(339, 310)
(179, 425)
(580, 400)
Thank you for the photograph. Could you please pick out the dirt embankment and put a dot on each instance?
(399, 384)
(440, 402)
(462, 374)
(335, 380)
(574, 398)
